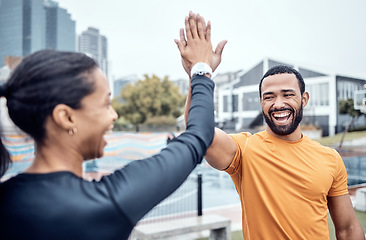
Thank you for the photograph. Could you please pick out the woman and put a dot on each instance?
(62, 100)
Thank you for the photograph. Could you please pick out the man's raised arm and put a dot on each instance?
(222, 150)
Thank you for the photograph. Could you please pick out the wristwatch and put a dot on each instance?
(201, 69)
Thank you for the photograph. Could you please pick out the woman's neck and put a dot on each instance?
(54, 159)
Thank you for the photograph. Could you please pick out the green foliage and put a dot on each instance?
(347, 107)
(149, 98)
(117, 105)
(122, 125)
(161, 121)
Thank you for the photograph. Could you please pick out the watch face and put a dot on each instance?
(201, 68)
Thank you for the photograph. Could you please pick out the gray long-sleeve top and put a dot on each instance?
(60, 205)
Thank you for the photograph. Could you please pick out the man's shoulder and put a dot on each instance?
(242, 137)
(317, 148)
(248, 134)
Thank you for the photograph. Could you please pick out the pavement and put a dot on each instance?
(357, 145)
(232, 212)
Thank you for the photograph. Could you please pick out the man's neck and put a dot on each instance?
(295, 136)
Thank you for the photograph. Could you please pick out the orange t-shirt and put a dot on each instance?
(283, 186)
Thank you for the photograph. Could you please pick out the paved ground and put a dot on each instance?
(233, 212)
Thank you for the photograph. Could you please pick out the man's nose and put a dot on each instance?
(279, 103)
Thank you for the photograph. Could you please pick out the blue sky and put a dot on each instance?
(328, 35)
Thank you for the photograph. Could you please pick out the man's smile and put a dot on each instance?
(281, 116)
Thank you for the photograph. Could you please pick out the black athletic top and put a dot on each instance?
(60, 205)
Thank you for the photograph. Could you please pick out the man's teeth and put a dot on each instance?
(280, 115)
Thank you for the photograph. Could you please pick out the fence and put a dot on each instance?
(186, 201)
(356, 169)
(181, 214)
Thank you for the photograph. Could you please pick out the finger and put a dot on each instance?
(208, 31)
(188, 29)
(193, 25)
(200, 29)
(202, 20)
(179, 45)
(220, 47)
(192, 15)
(182, 37)
(203, 25)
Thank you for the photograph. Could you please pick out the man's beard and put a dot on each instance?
(283, 130)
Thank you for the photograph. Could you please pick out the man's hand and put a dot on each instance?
(216, 56)
(204, 32)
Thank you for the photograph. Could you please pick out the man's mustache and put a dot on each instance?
(281, 109)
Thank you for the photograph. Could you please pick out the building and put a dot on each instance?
(223, 81)
(182, 84)
(60, 28)
(25, 28)
(239, 103)
(95, 45)
(120, 83)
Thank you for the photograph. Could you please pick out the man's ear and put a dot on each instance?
(305, 99)
(64, 116)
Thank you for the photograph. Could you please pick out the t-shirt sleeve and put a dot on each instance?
(240, 140)
(339, 186)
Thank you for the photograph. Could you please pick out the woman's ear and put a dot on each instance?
(64, 116)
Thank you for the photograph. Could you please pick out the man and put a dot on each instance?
(286, 181)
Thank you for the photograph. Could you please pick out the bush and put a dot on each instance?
(357, 129)
(122, 124)
(159, 121)
(159, 124)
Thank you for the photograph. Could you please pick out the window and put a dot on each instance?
(226, 104)
(235, 102)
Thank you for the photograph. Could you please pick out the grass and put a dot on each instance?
(328, 141)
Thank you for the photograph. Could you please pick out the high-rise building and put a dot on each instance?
(24, 27)
(120, 83)
(95, 45)
(60, 28)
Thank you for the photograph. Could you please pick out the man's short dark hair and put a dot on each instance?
(279, 69)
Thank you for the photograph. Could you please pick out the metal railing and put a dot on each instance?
(186, 201)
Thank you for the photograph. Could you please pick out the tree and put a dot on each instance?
(151, 97)
(347, 107)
